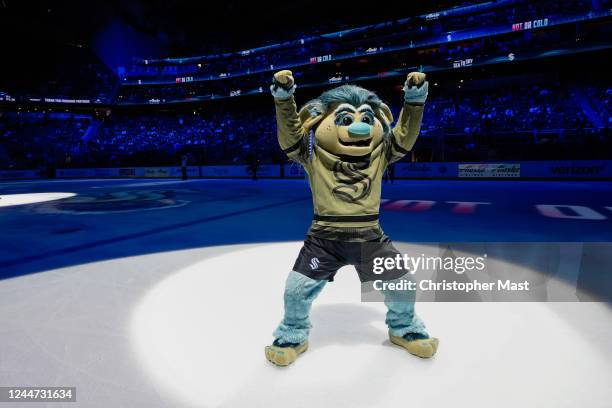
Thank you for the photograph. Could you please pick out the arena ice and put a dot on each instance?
(191, 194)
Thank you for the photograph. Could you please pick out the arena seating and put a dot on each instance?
(481, 121)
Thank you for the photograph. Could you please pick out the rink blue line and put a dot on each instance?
(127, 237)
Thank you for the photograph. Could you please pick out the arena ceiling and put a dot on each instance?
(195, 27)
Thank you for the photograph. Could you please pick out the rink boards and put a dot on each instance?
(529, 170)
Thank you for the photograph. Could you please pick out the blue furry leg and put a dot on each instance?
(401, 318)
(300, 292)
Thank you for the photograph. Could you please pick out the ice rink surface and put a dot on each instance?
(159, 293)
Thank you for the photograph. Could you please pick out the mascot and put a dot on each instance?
(344, 141)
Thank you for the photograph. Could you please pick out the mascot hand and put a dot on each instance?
(416, 88)
(283, 84)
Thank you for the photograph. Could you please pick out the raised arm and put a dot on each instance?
(291, 134)
(408, 126)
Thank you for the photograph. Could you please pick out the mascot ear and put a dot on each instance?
(385, 113)
(309, 117)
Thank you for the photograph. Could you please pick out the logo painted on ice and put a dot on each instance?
(314, 263)
(114, 202)
(565, 211)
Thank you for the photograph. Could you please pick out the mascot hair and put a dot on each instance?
(352, 94)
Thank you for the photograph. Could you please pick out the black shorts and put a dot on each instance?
(321, 258)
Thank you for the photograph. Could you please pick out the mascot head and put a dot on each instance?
(347, 120)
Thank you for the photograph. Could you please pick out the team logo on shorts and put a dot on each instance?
(314, 263)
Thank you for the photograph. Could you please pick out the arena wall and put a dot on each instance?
(532, 170)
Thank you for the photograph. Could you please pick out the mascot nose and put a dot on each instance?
(359, 129)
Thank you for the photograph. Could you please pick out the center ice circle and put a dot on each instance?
(200, 335)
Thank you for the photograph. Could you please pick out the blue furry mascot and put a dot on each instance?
(344, 141)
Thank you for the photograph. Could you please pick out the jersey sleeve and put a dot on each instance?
(292, 137)
(404, 134)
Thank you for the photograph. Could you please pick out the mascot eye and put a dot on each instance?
(367, 119)
(346, 120)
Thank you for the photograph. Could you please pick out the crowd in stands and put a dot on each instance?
(519, 122)
(601, 98)
(35, 140)
(481, 121)
(218, 137)
(516, 109)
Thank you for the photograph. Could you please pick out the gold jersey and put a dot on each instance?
(345, 189)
